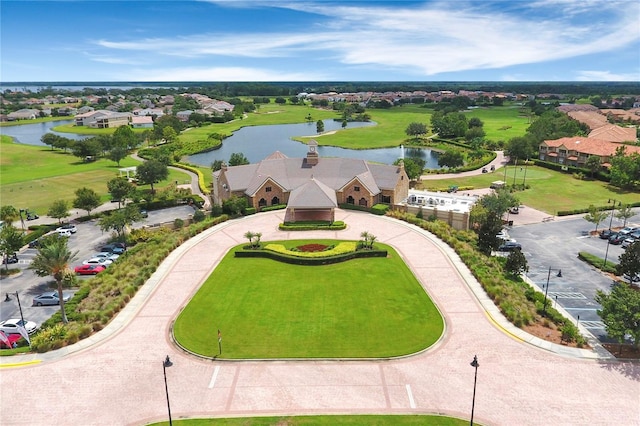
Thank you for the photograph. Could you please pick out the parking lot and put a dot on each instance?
(556, 244)
(87, 241)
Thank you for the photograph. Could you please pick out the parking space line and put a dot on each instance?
(412, 403)
(214, 377)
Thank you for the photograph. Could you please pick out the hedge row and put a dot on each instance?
(377, 209)
(310, 261)
(274, 207)
(598, 262)
(201, 184)
(517, 300)
(600, 175)
(100, 298)
(312, 225)
(586, 210)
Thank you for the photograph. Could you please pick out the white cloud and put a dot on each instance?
(218, 74)
(432, 39)
(606, 76)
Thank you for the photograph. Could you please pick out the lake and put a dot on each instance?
(30, 134)
(258, 142)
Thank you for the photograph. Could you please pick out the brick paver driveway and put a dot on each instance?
(119, 380)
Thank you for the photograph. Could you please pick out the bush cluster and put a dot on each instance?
(598, 262)
(517, 300)
(100, 298)
(312, 225)
(586, 209)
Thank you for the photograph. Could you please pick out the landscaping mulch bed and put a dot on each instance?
(312, 247)
(624, 352)
(549, 334)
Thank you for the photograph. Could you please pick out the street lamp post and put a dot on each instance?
(475, 365)
(606, 253)
(546, 289)
(167, 363)
(524, 180)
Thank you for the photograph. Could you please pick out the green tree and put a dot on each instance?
(10, 241)
(319, 126)
(118, 152)
(413, 166)
(234, 205)
(516, 263)
(629, 261)
(238, 159)
(86, 199)
(593, 164)
(474, 133)
(620, 312)
(59, 209)
(521, 147)
(120, 189)
(151, 172)
(451, 158)
(416, 130)
(217, 165)
(169, 134)
(53, 258)
(118, 220)
(475, 122)
(9, 214)
(125, 137)
(595, 215)
(87, 148)
(625, 169)
(49, 139)
(624, 213)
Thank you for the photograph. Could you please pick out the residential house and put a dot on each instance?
(184, 115)
(613, 133)
(103, 119)
(142, 122)
(158, 112)
(574, 151)
(311, 187)
(24, 114)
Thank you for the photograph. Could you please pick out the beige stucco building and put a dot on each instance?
(311, 187)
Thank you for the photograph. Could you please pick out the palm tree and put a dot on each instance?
(249, 235)
(365, 238)
(257, 235)
(53, 259)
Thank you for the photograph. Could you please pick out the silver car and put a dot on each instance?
(49, 298)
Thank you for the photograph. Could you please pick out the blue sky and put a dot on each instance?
(280, 40)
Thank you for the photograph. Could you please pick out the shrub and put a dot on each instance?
(178, 223)
(198, 216)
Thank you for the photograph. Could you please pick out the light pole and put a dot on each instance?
(524, 180)
(606, 253)
(546, 289)
(167, 363)
(475, 365)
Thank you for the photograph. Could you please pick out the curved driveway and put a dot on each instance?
(116, 376)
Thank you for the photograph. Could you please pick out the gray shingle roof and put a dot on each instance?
(290, 173)
(313, 195)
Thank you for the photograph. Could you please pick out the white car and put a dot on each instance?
(10, 326)
(67, 227)
(98, 261)
(63, 233)
(104, 255)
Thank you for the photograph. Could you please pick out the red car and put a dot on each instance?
(89, 269)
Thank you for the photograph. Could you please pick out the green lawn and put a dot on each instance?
(501, 123)
(267, 309)
(34, 176)
(550, 191)
(369, 420)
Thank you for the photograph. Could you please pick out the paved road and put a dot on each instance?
(497, 162)
(116, 376)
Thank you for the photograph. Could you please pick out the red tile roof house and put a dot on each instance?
(311, 187)
(574, 151)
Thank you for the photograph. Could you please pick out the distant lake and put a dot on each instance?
(258, 142)
(30, 134)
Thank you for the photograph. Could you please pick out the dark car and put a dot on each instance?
(144, 213)
(31, 215)
(617, 238)
(116, 248)
(510, 246)
(12, 258)
(605, 234)
(34, 244)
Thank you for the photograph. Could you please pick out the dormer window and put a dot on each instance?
(356, 188)
(268, 189)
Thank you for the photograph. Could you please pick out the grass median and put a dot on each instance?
(362, 308)
(369, 420)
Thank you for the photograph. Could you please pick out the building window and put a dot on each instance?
(363, 202)
(386, 199)
(268, 189)
(356, 188)
(350, 200)
(262, 202)
(275, 201)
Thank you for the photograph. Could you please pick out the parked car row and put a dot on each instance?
(100, 261)
(626, 236)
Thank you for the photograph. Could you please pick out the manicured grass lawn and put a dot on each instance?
(369, 420)
(501, 123)
(37, 120)
(268, 309)
(550, 190)
(33, 176)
